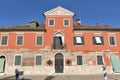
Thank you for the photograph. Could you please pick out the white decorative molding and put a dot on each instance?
(59, 11)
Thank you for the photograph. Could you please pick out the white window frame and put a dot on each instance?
(102, 59)
(114, 39)
(68, 22)
(82, 60)
(7, 40)
(49, 22)
(14, 59)
(22, 40)
(36, 40)
(35, 59)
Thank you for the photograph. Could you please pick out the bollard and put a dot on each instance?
(105, 72)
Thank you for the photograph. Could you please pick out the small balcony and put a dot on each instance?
(59, 46)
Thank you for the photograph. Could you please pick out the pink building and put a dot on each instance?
(59, 46)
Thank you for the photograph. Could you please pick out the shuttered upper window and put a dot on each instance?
(51, 22)
(17, 60)
(38, 60)
(78, 40)
(98, 40)
(4, 40)
(112, 40)
(66, 22)
(39, 40)
(19, 40)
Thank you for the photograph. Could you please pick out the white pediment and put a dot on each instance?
(59, 11)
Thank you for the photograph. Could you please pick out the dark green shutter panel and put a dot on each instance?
(102, 40)
(82, 38)
(19, 40)
(17, 60)
(79, 60)
(38, 60)
(94, 41)
(115, 63)
(74, 39)
(39, 40)
(112, 40)
(4, 40)
(99, 60)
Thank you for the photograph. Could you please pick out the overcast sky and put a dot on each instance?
(20, 12)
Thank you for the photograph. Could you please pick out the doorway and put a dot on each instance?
(59, 63)
(2, 64)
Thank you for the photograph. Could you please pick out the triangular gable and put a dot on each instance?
(59, 11)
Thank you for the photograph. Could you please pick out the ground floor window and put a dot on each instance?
(17, 60)
(79, 60)
(100, 60)
(38, 60)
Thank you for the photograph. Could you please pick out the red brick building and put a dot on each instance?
(60, 46)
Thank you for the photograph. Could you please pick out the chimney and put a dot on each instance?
(78, 21)
(33, 24)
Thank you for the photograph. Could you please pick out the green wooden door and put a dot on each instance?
(115, 63)
(59, 63)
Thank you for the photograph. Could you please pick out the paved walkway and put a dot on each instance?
(62, 77)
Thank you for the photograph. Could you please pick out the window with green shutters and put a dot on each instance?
(98, 40)
(38, 59)
(4, 40)
(18, 60)
(66, 22)
(78, 40)
(39, 40)
(112, 40)
(19, 40)
(51, 22)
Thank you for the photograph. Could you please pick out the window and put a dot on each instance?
(112, 40)
(66, 22)
(51, 22)
(39, 40)
(38, 60)
(4, 40)
(18, 60)
(99, 60)
(19, 40)
(98, 40)
(79, 60)
(79, 40)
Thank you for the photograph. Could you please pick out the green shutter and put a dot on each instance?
(101, 38)
(38, 60)
(112, 40)
(66, 22)
(39, 40)
(82, 38)
(115, 63)
(2, 64)
(4, 40)
(17, 60)
(19, 40)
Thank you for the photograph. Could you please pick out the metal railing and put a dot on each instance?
(59, 46)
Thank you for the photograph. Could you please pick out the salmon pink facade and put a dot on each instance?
(59, 46)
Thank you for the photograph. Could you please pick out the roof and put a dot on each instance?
(59, 11)
(27, 27)
(77, 27)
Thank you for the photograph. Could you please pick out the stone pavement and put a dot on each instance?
(62, 77)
